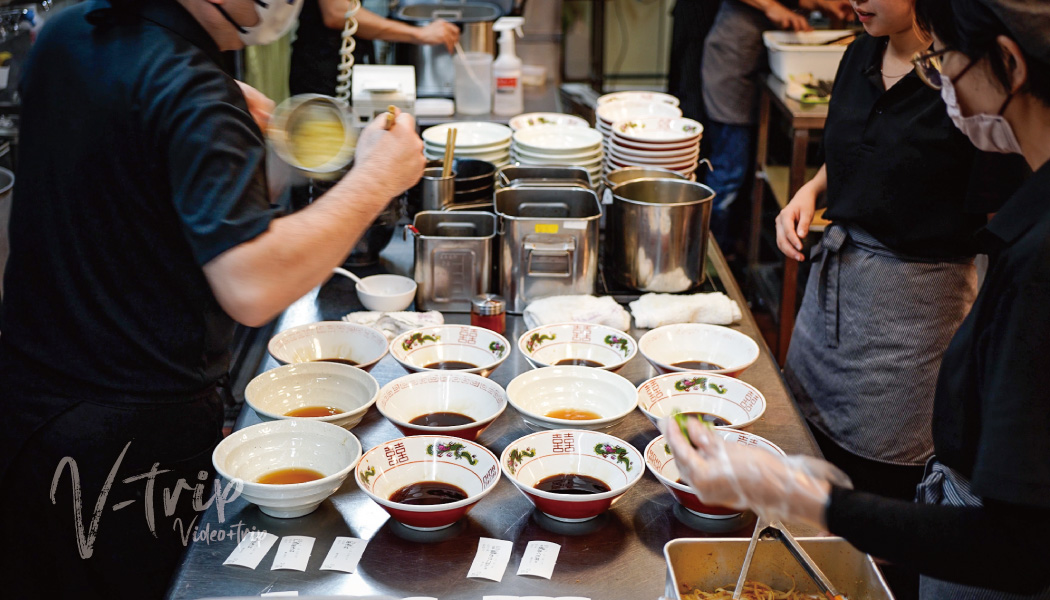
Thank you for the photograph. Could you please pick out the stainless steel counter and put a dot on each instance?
(616, 556)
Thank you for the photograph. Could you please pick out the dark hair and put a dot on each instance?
(972, 28)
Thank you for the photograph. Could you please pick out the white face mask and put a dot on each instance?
(276, 17)
(990, 133)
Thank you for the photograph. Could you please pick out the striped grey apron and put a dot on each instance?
(868, 342)
(944, 486)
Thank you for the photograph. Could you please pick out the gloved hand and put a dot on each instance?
(792, 488)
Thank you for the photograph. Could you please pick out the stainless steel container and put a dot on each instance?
(435, 73)
(454, 254)
(656, 234)
(549, 242)
(515, 176)
(711, 563)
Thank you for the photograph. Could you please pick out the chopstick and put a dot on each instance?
(450, 144)
(391, 115)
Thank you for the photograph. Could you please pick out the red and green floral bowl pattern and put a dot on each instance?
(534, 457)
(571, 343)
(393, 465)
(417, 349)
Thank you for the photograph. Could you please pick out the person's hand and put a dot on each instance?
(792, 224)
(392, 156)
(439, 32)
(259, 106)
(837, 8)
(778, 488)
(783, 18)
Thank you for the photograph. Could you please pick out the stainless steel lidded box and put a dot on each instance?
(454, 258)
(710, 563)
(549, 243)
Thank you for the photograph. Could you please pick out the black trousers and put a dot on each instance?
(89, 493)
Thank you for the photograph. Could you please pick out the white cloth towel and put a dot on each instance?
(655, 310)
(392, 324)
(579, 309)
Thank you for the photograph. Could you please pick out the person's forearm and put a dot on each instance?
(762, 5)
(996, 547)
(371, 26)
(819, 183)
(256, 280)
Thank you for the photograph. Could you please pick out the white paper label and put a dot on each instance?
(574, 225)
(539, 559)
(250, 552)
(346, 552)
(293, 553)
(491, 559)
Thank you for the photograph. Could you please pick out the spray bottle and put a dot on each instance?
(507, 98)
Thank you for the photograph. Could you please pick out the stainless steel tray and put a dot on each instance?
(710, 563)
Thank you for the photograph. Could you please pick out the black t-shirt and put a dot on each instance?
(315, 53)
(897, 166)
(991, 415)
(139, 164)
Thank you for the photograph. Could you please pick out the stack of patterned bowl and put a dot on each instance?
(671, 143)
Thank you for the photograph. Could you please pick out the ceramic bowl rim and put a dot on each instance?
(342, 473)
(676, 374)
(307, 326)
(538, 364)
(573, 498)
(312, 366)
(432, 430)
(543, 420)
(425, 508)
(408, 365)
(756, 348)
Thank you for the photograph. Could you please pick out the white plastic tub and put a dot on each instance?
(798, 53)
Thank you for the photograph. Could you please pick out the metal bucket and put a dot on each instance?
(656, 235)
(454, 252)
(516, 176)
(549, 244)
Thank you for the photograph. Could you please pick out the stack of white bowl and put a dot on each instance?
(638, 95)
(618, 110)
(557, 145)
(474, 139)
(666, 142)
(544, 118)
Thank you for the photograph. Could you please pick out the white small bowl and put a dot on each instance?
(700, 391)
(670, 344)
(329, 340)
(416, 349)
(614, 462)
(390, 466)
(386, 293)
(278, 391)
(536, 393)
(254, 451)
(661, 463)
(412, 396)
(547, 345)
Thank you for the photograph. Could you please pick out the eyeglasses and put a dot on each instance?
(928, 67)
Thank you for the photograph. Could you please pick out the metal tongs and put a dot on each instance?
(775, 529)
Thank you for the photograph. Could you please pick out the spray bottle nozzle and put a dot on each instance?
(505, 25)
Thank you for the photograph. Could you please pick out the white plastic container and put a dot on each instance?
(798, 53)
(473, 85)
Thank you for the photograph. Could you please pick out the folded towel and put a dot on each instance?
(392, 324)
(579, 309)
(655, 310)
